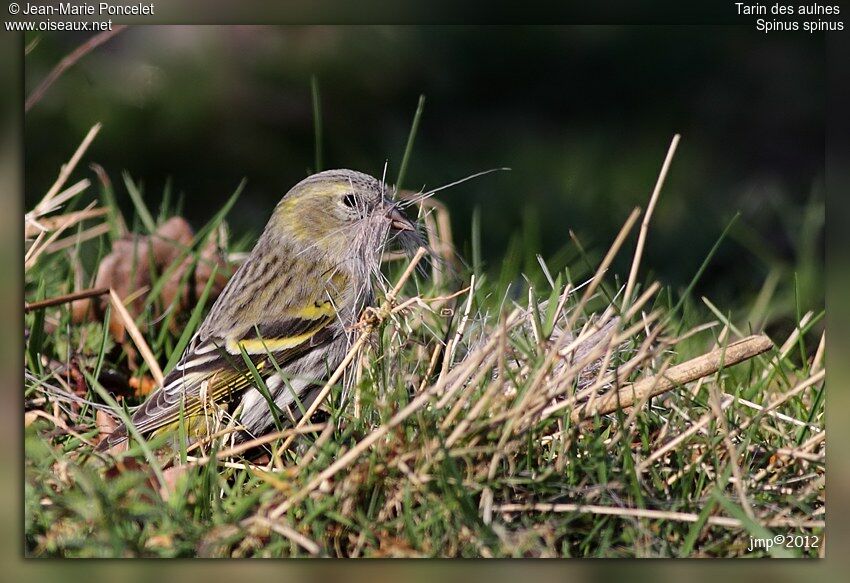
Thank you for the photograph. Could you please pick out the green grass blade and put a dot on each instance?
(128, 423)
(141, 209)
(408, 148)
(704, 265)
(263, 388)
(755, 529)
(696, 528)
(191, 325)
(200, 236)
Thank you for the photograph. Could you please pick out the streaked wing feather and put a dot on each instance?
(224, 370)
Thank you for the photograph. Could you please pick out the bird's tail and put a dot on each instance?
(115, 438)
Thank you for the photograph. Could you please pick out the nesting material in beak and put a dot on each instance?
(399, 222)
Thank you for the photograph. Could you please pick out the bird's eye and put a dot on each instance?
(349, 200)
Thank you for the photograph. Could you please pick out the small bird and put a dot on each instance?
(290, 308)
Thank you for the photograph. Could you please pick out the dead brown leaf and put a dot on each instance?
(136, 261)
(123, 465)
(144, 386)
(171, 475)
(105, 424)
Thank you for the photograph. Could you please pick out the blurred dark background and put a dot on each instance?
(582, 115)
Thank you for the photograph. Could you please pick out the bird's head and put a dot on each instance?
(344, 215)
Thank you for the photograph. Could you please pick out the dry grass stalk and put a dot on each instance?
(553, 354)
(51, 223)
(802, 386)
(458, 376)
(451, 349)
(283, 529)
(777, 415)
(69, 61)
(252, 443)
(74, 240)
(673, 443)
(42, 243)
(603, 267)
(438, 228)
(677, 376)
(654, 514)
(58, 422)
(64, 299)
(817, 360)
(383, 312)
(614, 377)
(644, 227)
(731, 450)
(136, 335)
(44, 206)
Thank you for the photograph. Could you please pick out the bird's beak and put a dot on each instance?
(399, 222)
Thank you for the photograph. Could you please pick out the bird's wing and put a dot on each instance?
(240, 323)
(215, 369)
